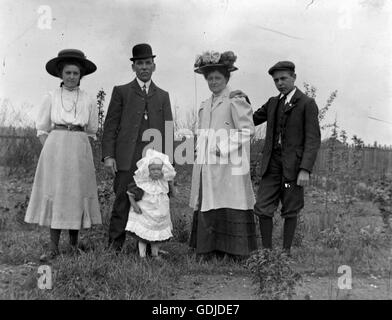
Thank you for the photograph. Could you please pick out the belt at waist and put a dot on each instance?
(70, 127)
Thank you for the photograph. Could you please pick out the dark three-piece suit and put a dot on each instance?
(292, 142)
(130, 113)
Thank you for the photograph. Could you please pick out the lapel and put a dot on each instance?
(272, 109)
(151, 90)
(133, 103)
(292, 103)
(136, 88)
(220, 99)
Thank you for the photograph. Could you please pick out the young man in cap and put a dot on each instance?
(134, 107)
(291, 145)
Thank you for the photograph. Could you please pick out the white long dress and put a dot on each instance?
(154, 224)
(64, 193)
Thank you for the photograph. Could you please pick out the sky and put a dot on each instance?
(335, 45)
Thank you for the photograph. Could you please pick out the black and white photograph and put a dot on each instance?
(197, 154)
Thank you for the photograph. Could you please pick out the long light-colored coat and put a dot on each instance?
(225, 125)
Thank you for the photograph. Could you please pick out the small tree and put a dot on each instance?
(101, 115)
(97, 144)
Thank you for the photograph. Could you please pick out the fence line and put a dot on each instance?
(376, 160)
(372, 159)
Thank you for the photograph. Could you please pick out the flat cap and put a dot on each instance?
(282, 65)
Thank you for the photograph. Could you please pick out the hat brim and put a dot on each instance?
(273, 70)
(204, 68)
(142, 57)
(51, 65)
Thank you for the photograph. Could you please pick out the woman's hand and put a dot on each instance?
(42, 138)
(238, 94)
(215, 149)
(110, 165)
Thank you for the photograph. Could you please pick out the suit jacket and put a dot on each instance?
(300, 133)
(124, 116)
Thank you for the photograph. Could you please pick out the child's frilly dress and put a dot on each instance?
(154, 224)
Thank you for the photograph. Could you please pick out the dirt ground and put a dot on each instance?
(234, 287)
(230, 286)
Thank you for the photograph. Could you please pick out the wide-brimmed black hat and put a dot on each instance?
(141, 51)
(282, 65)
(70, 55)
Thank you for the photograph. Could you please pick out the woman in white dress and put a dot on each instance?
(64, 194)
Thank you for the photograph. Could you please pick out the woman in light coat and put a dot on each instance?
(64, 194)
(222, 195)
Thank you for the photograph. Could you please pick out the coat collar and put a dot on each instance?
(219, 100)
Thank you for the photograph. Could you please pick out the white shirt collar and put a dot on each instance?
(141, 84)
(289, 96)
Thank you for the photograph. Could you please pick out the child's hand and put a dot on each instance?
(136, 208)
(172, 190)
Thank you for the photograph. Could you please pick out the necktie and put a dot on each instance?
(144, 89)
(280, 113)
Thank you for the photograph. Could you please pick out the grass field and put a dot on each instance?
(355, 237)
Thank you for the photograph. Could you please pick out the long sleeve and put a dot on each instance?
(312, 136)
(168, 116)
(112, 122)
(241, 112)
(135, 190)
(43, 120)
(260, 116)
(167, 109)
(92, 125)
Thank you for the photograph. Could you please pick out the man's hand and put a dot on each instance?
(303, 178)
(110, 165)
(42, 138)
(237, 93)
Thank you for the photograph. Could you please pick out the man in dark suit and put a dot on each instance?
(291, 145)
(134, 108)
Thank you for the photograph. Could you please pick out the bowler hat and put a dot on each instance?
(142, 51)
(72, 55)
(282, 65)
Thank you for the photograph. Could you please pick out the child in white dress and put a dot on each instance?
(149, 216)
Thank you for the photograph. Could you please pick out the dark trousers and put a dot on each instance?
(274, 188)
(121, 206)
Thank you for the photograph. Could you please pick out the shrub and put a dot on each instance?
(332, 237)
(180, 229)
(273, 271)
(106, 198)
